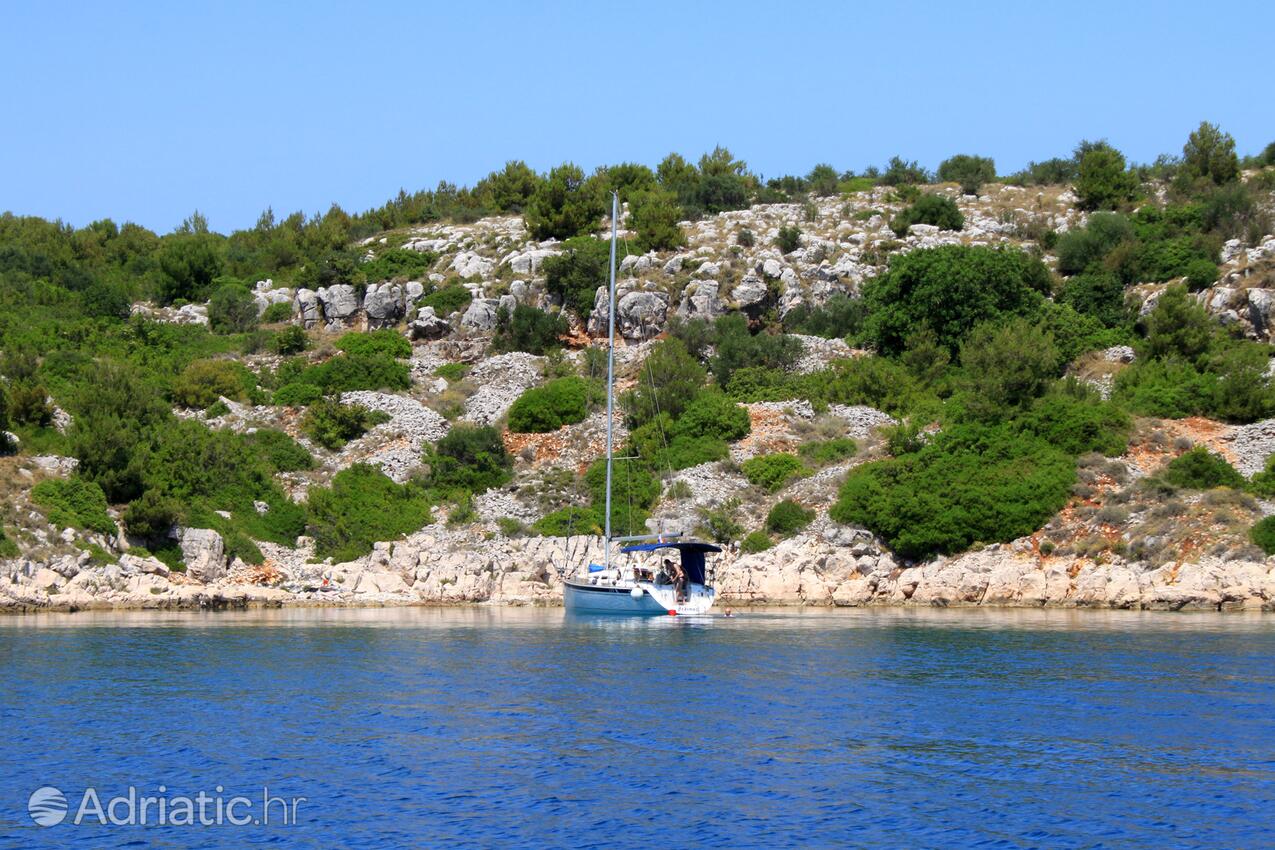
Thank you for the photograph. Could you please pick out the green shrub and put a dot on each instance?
(290, 340)
(204, 381)
(1085, 247)
(469, 459)
(8, 549)
(509, 189)
(771, 472)
(1209, 154)
(634, 492)
(74, 503)
(839, 317)
(900, 172)
(576, 274)
(721, 523)
(562, 401)
(565, 204)
(669, 379)
(788, 239)
(654, 213)
(362, 507)
(1102, 183)
(297, 395)
(712, 414)
(937, 210)
(1170, 388)
(152, 516)
(1201, 469)
(737, 348)
(968, 483)
(452, 372)
(1098, 294)
(1178, 326)
(348, 372)
(756, 541)
(528, 329)
(569, 521)
(332, 424)
(949, 290)
(277, 312)
(970, 171)
(1006, 366)
(1075, 420)
(824, 452)
(786, 518)
(1201, 273)
(398, 263)
(232, 309)
(382, 343)
(745, 238)
(1263, 534)
(283, 453)
(448, 299)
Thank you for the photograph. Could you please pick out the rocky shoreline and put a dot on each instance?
(833, 567)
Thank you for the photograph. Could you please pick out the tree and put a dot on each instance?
(678, 176)
(1178, 326)
(565, 204)
(188, 262)
(949, 290)
(670, 377)
(1209, 153)
(899, 172)
(575, 275)
(232, 309)
(822, 180)
(627, 178)
(509, 189)
(470, 458)
(937, 210)
(1102, 183)
(654, 213)
(970, 171)
(1006, 366)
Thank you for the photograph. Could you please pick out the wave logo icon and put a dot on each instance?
(47, 806)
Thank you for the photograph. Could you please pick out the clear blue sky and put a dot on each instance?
(144, 112)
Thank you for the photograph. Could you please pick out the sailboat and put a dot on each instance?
(663, 574)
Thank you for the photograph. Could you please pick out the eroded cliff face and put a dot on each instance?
(842, 567)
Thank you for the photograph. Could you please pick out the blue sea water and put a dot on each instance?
(476, 728)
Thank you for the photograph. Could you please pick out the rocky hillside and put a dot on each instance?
(425, 433)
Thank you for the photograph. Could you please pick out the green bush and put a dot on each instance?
(469, 459)
(509, 189)
(8, 549)
(452, 372)
(1102, 183)
(745, 238)
(1005, 366)
(448, 299)
(283, 453)
(900, 172)
(398, 263)
(348, 372)
(840, 316)
(788, 239)
(576, 274)
(634, 492)
(332, 424)
(569, 521)
(362, 507)
(771, 472)
(1201, 273)
(74, 503)
(528, 329)
(949, 290)
(1168, 388)
(968, 484)
(565, 204)
(1178, 326)
(937, 210)
(290, 340)
(669, 380)
(1085, 247)
(382, 343)
(152, 516)
(297, 395)
(232, 309)
(1263, 534)
(1075, 420)
(970, 171)
(756, 541)
(713, 414)
(1099, 294)
(786, 518)
(654, 213)
(1201, 469)
(1209, 154)
(562, 401)
(737, 348)
(277, 312)
(204, 381)
(824, 452)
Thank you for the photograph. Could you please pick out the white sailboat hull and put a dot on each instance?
(583, 598)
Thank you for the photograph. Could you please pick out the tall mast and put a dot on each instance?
(615, 217)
